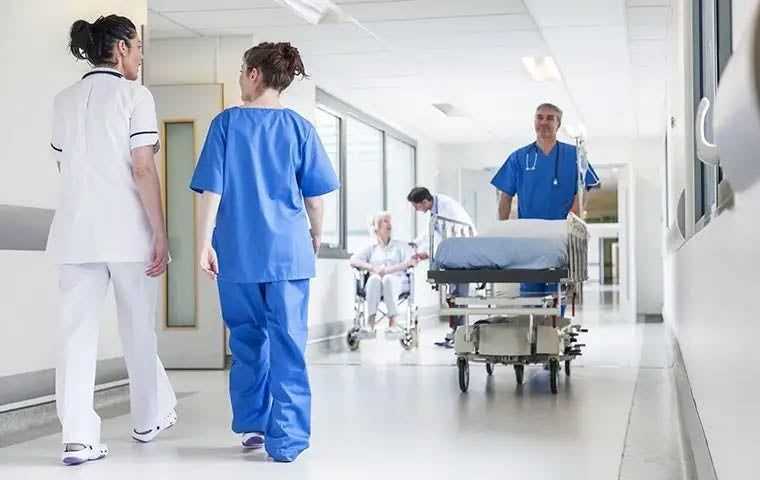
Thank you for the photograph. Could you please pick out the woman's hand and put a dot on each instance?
(316, 241)
(209, 262)
(159, 257)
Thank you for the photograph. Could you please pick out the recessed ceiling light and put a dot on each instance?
(541, 69)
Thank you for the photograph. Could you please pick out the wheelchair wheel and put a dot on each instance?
(554, 375)
(567, 368)
(489, 369)
(464, 374)
(519, 373)
(352, 339)
(407, 339)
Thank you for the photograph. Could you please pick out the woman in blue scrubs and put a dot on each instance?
(261, 174)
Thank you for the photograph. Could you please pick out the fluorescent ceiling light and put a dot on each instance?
(316, 11)
(541, 69)
(450, 110)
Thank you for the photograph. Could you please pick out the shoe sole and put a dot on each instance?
(72, 461)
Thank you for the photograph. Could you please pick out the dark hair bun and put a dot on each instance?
(81, 39)
(95, 42)
(279, 63)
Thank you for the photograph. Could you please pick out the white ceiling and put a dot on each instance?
(402, 56)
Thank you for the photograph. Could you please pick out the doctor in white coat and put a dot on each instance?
(439, 204)
(108, 230)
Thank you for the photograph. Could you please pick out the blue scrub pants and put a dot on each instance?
(269, 385)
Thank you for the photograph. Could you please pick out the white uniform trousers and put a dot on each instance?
(83, 288)
(388, 288)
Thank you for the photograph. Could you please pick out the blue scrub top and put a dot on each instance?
(263, 162)
(530, 175)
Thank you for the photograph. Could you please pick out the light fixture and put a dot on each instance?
(450, 110)
(316, 11)
(541, 69)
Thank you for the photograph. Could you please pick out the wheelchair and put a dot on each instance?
(410, 331)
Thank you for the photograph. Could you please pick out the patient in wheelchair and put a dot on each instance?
(386, 260)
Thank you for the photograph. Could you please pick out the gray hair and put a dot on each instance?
(376, 220)
(551, 106)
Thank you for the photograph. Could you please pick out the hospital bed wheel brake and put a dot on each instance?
(463, 367)
(352, 339)
(519, 373)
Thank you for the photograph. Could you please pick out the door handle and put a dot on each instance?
(706, 152)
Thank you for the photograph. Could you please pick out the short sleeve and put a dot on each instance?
(506, 178)
(58, 132)
(362, 255)
(209, 172)
(315, 175)
(592, 180)
(143, 129)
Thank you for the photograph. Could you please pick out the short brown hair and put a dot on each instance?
(279, 63)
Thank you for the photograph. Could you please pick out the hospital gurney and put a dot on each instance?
(520, 330)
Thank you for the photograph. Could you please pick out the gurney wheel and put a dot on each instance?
(352, 339)
(519, 373)
(464, 374)
(489, 368)
(554, 374)
(567, 368)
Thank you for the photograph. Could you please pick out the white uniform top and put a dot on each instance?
(96, 123)
(377, 254)
(444, 206)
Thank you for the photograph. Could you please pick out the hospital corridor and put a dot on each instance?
(379, 239)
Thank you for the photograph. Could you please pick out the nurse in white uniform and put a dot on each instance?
(387, 261)
(108, 230)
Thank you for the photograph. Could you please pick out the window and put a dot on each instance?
(712, 48)
(400, 170)
(377, 166)
(328, 129)
(179, 155)
(364, 180)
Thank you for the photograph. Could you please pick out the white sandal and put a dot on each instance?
(86, 454)
(149, 435)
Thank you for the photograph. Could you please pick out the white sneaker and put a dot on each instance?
(147, 436)
(86, 454)
(252, 440)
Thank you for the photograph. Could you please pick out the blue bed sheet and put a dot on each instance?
(502, 253)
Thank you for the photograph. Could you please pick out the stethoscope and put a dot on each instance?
(530, 168)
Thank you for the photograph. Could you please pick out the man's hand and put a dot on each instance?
(421, 256)
(159, 257)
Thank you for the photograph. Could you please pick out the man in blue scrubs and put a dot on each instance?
(544, 177)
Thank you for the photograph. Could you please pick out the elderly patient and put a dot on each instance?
(386, 260)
